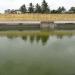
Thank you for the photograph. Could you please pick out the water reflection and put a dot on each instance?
(24, 38)
(37, 38)
(37, 54)
(44, 39)
(61, 36)
(32, 38)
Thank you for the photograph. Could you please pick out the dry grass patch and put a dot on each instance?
(37, 17)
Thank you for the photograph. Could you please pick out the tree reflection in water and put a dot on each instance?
(44, 39)
(59, 36)
(24, 38)
(32, 38)
(37, 38)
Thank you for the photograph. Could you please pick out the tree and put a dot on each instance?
(31, 8)
(61, 10)
(44, 7)
(72, 9)
(23, 9)
(38, 8)
(53, 11)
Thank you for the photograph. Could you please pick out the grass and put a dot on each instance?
(37, 17)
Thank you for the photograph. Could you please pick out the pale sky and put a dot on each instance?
(54, 4)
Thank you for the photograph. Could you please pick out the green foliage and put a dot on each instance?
(38, 8)
(45, 7)
(61, 10)
(72, 9)
(23, 9)
(31, 8)
(54, 11)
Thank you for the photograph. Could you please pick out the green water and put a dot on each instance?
(35, 55)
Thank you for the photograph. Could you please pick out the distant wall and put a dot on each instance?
(19, 27)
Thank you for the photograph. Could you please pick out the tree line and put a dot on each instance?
(43, 8)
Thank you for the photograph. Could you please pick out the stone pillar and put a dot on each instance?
(47, 25)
